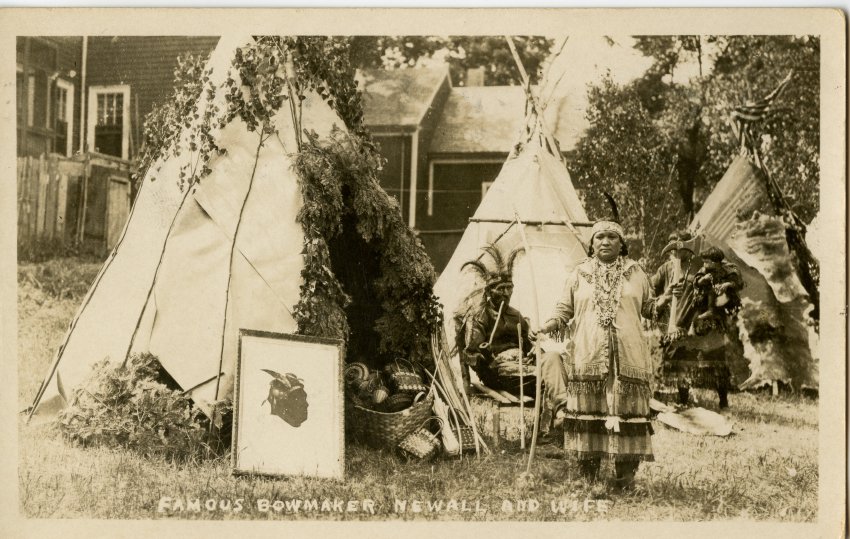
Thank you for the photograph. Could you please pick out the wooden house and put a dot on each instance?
(444, 145)
(463, 137)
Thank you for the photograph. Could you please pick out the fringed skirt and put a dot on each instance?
(696, 361)
(609, 417)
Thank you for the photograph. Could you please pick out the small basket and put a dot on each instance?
(398, 402)
(365, 386)
(354, 373)
(387, 429)
(466, 436)
(422, 443)
(402, 377)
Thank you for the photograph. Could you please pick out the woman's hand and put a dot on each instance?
(544, 329)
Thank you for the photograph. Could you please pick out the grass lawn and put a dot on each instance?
(767, 470)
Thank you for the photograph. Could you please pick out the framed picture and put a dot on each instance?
(288, 416)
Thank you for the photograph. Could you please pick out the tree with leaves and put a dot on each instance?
(685, 125)
(623, 153)
(732, 70)
(461, 52)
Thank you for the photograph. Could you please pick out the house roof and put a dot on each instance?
(488, 119)
(399, 97)
(483, 119)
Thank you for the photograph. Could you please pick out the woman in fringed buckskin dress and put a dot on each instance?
(607, 364)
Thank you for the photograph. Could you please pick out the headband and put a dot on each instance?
(606, 226)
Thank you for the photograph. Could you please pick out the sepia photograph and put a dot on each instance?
(506, 265)
(290, 431)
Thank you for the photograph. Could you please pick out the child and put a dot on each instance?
(716, 286)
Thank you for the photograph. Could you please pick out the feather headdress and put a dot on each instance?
(504, 266)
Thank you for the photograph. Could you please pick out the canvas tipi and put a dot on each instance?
(746, 217)
(196, 264)
(534, 188)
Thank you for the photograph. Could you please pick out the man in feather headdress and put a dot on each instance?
(490, 343)
(496, 361)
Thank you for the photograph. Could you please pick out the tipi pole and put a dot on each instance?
(535, 103)
(545, 82)
(586, 224)
(230, 265)
(538, 383)
(156, 272)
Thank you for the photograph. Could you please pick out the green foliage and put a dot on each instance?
(129, 408)
(750, 67)
(59, 278)
(324, 66)
(319, 64)
(321, 308)
(685, 125)
(42, 250)
(179, 115)
(462, 53)
(338, 179)
(624, 154)
(733, 70)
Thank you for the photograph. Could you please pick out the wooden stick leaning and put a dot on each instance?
(521, 393)
(538, 382)
(441, 349)
(460, 414)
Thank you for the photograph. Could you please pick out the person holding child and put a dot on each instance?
(694, 353)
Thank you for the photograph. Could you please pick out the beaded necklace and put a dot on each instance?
(607, 280)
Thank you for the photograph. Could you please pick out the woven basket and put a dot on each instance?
(398, 402)
(402, 377)
(354, 373)
(387, 429)
(422, 443)
(466, 436)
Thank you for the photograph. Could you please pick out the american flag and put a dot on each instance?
(752, 111)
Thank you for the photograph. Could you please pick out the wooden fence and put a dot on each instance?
(70, 200)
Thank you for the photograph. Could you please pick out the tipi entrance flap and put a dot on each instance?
(190, 298)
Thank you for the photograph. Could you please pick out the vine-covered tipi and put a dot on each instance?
(262, 211)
